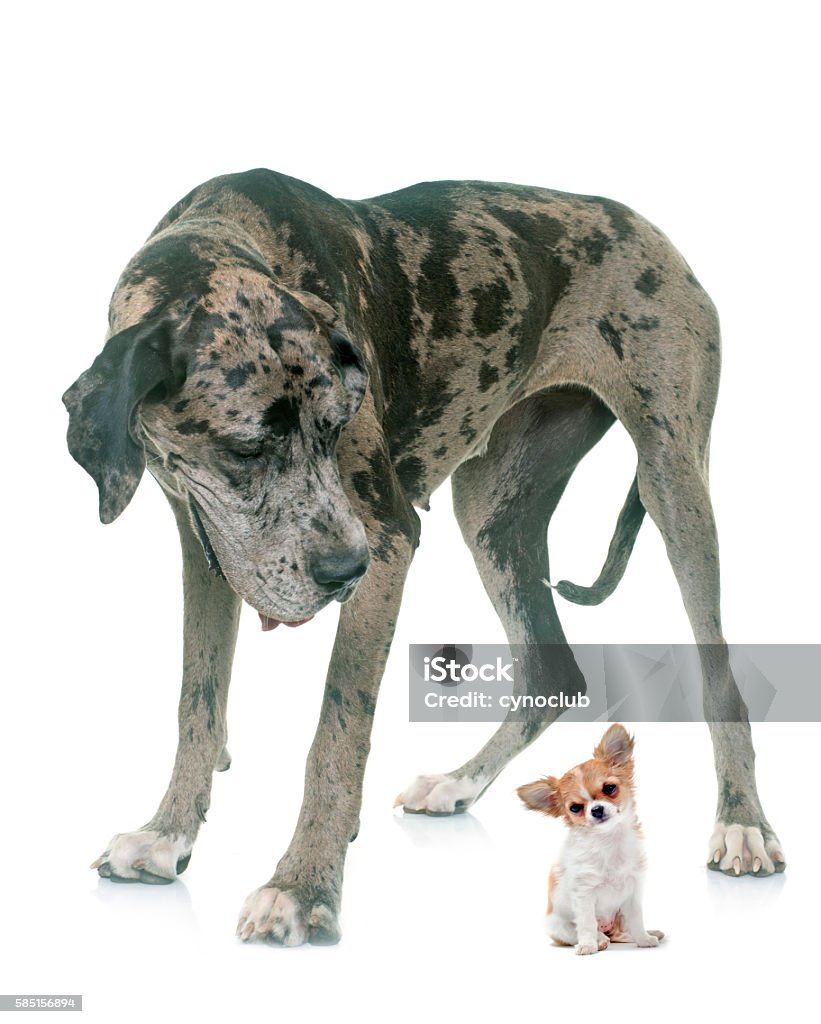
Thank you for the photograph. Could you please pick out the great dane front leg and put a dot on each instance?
(161, 849)
(302, 900)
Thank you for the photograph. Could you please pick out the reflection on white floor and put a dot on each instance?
(440, 915)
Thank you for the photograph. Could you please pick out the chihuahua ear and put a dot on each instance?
(616, 746)
(542, 796)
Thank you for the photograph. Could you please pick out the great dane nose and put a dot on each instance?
(336, 570)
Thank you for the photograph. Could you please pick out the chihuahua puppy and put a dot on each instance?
(594, 892)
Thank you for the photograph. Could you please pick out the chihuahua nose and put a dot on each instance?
(597, 811)
(336, 570)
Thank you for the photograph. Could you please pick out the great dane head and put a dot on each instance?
(235, 390)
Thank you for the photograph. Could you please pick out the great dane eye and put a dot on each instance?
(246, 454)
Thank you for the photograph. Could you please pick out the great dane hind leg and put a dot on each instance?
(503, 501)
(161, 849)
(673, 488)
(301, 902)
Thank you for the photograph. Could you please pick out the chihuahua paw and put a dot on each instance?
(144, 856)
(586, 948)
(439, 795)
(742, 850)
(649, 940)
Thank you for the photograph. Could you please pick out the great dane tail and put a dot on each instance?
(618, 555)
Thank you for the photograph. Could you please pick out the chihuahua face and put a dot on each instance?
(595, 889)
(593, 794)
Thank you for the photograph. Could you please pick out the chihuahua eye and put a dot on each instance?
(576, 808)
(610, 789)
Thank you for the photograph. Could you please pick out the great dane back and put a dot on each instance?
(300, 373)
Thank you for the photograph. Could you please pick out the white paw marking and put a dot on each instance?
(133, 855)
(439, 794)
(270, 912)
(741, 850)
(586, 948)
(648, 941)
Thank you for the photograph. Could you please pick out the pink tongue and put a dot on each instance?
(268, 624)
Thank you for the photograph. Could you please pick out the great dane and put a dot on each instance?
(300, 372)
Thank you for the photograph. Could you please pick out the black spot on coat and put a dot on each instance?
(488, 376)
(491, 307)
(648, 282)
(596, 245)
(411, 474)
(612, 336)
(189, 427)
(662, 422)
(238, 375)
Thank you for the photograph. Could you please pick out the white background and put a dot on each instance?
(703, 116)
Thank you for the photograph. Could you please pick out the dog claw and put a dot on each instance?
(742, 850)
(440, 795)
(283, 917)
(146, 856)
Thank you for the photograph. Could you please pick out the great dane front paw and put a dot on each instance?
(439, 795)
(742, 850)
(144, 856)
(283, 916)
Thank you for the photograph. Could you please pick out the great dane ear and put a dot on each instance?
(102, 404)
(351, 365)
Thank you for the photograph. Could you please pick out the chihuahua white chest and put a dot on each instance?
(604, 865)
